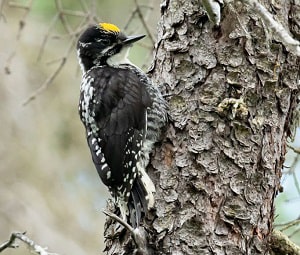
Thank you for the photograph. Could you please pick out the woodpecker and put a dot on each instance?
(123, 114)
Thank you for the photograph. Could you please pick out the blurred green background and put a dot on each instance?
(287, 203)
(49, 186)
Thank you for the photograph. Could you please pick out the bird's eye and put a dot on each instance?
(105, 42)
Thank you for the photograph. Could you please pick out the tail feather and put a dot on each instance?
(139, 201)
(142, 194)
(136, 206)
(146, 184)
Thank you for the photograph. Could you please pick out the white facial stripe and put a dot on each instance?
(108, 49)
(84, 44)
(120, 58)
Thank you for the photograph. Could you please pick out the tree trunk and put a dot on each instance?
(231, 92)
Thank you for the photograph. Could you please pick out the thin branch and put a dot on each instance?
(73, 13)
(1, 11)
(296, 150)
(134, 11)
(10, 243)
(294, 232)
(139, 12)
(22, 21)
(90, 13)
(62, 18)
(18, 5)
(83, 25)
(84, 6)
(296, 182)
(52, 23)
(93, 7)
(130, 19)
(280, 244)
(284, 37)
(8, 61)
(34, 248)
(138, 234)
(292, 167)
(118, 219)
(288, 224)
(50, 79)
(45, 85)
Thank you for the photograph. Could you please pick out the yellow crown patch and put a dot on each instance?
(109, 27)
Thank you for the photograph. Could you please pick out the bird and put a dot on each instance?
(123, 113)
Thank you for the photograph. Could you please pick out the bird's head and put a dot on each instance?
(104, 44)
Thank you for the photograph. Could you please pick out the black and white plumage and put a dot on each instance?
(123, 114)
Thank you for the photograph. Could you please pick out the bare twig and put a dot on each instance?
(52, 23)
(288, 225)
(62, 17)
(34, 248)
(83, 25)
(73, 13)
(52, 76)
(1, 11)
(280, 244)
(84, 6)
(118, 219)
(8, 62)
(11, 242)
(294, 232)
(45, 85)
(138, 234)
(283, 36)
(130, 18)
(139, 12)
(296, 182)
(18, 5)
(22, 21)
(93, 8)
(296, 150)
(292, 168)
(134, 11)
(48, 35)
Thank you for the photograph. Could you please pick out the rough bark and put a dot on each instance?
(231, 92)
